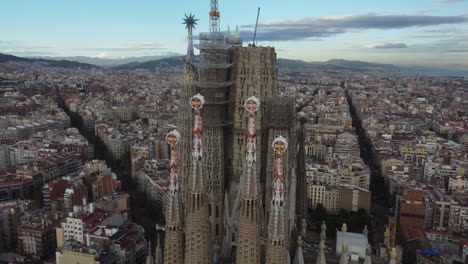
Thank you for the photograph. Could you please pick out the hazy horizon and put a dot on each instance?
(422, 32)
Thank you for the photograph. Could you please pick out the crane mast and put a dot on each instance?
(214, 17)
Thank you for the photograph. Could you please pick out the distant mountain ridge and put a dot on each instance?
(330, 65)
(51, 63)
(336, 64)
(152, 64)
(108, 61)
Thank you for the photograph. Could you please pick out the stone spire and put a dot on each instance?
(344, 228)
(303, 228)
(368, 258)
(299, 257)
(365, 231)
(323, 232)
(150, 257)
(393, 256)
(198, 238)
(174, 239)
(276, 248)
(190, 23)
(321, 254)
(344, 254)
(184, 115)
(387, 237)
(248, 250)
(158, 258)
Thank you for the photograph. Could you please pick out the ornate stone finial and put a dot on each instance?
(387, 237)
(321, 244)
(299, 241)
(173, 137)
(365, 231)
(189, 21)
(344, 228)
(323, 227)
(252, 104)
(280, 144)
(303, 226)
(197, 101)
(323, 234)
(303, 223)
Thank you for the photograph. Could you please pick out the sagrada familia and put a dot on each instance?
(237, 176)
(234, 176)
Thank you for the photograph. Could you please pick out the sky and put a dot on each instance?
(405, 32)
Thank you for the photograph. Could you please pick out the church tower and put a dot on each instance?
(184, 114)
(197, 238)
(174, 239)
(277, 237)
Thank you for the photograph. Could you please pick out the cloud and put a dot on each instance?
(419, 11)
(103, 55)
(455, 51)
(129, 47)
(327, 26)
(386, 46)
(447, 29)
(452, 1)
(26, 52)
(20, 46)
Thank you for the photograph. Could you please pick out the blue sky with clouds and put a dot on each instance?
(431, 32)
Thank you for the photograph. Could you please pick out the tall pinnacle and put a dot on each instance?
(173, 212)
(321, 254)
(197, 239)
(251, 189)
(299, 257)
(190, 23)
(276, 249)
(173, 253)
(197, 182)
(249, 221)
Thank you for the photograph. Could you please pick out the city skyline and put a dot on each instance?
(416, 33)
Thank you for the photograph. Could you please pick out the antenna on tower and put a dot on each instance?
(256, 24)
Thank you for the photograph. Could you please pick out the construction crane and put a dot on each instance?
(256, 24)
(214, 17)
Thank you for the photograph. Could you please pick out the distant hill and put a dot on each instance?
(282, 63)
(51, 63)
(152, 65)
(108, 61)
(331, 65)
(336, 64)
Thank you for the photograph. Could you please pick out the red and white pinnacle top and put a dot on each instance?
(279, 145)
(197, 102)
(172, 138)
(276, 225)
(173, 211)
(251, 105)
